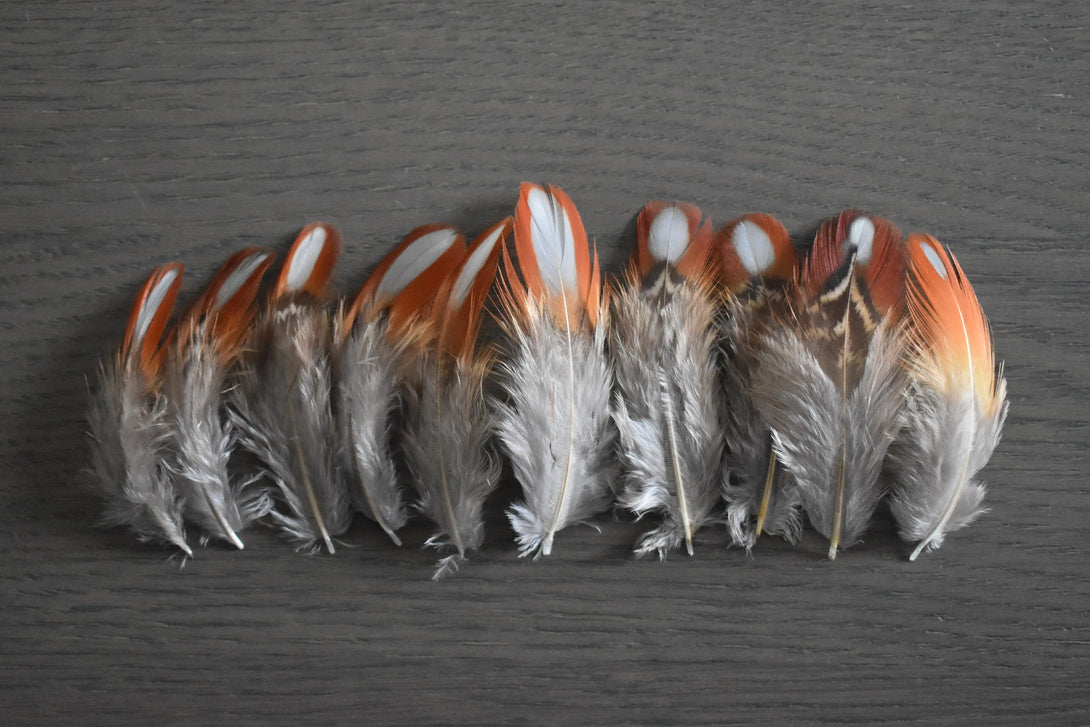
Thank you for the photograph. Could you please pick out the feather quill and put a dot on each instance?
(831, 385)
(209, 342)
(386, 324)
(130, 429)
(282, 410)
(663, 336)
(957, 401)
(448, 430)
(554, 424)
(756, 262)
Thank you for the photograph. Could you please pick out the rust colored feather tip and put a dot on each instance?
(676, 233)
(148, 319)
(754, 247)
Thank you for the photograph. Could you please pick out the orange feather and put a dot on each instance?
(229, 310)
(310, 261)
(148, 319)
(743, 253)
(880, 261)
(949, 340)
(460, 304)
(546, 221)
(409, 300)
(693, 262)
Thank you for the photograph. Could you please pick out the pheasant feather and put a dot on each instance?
(756, 262)
(663, 337)
(130, 429)
(554, 424)
(448, 429)
(283, 408)
(385, 324)
(957, 403)
(831, 385)
(209, 342)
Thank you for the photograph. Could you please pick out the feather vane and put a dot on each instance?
(957, 403)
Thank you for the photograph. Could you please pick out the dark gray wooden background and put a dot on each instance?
(138, 132)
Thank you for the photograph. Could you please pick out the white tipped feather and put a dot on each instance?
(669, 237)
(553, 242)
(555, 427)
(415, 259)
(670, 428)
(307, 252)
(367, 397)
(753, 246)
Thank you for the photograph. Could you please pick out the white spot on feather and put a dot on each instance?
(934, 258)
(415, 259)
(553, 241)
(861, 237)
(753, 246)
(151, 305)
(473, 266)
(668, 238)
(238, 278)
(306, 255)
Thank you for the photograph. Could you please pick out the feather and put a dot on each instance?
(283, 409)
(662, 337)
(375, 336)
(755, 263)
(957, 403)
(130, 430)
(830, 385)
(209, 341)
(554, 424)
(448, 431)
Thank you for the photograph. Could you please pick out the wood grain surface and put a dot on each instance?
(132, 133)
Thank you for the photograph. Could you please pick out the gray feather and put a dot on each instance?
(284, 417)
(670, 429)
(817, 432)
(748, 452)
(944, 442)
(447, 446)
(130, 432)
(556, 428)
(202, 441)
(367, 398)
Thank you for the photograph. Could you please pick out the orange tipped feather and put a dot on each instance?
(397, 286)
(553, 254)
(698, 238)
(310, 262)
(950, 340)
(752, 247)
(460, 303)
(228, 301)
(148, 319)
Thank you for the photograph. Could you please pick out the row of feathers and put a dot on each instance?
(722, 378)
